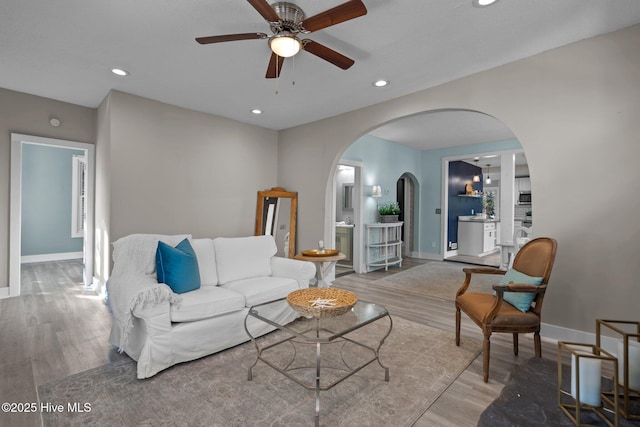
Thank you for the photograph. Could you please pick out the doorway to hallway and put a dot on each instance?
(81, 158)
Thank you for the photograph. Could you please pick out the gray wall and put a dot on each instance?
(46, 200)
(574, 111)
(29, 115)
(165, 169)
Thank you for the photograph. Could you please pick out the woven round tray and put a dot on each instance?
(322, 302)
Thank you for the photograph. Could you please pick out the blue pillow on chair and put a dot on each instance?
(520, 300)
(178, 267)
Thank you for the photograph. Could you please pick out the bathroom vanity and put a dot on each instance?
(344, 243)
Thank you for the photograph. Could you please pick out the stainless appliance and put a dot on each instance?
(524, 198)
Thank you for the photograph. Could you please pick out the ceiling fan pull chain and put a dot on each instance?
(293, 65)
(277, 74)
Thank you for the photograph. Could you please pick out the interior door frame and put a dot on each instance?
(506, 186)
(358, 216)
(15, 201)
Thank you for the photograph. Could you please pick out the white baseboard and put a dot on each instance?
(449, 254)
(553, 333)
(27, 259)
(424, 255)
(99, 287)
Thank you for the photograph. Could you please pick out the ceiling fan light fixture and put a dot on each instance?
(285, 44)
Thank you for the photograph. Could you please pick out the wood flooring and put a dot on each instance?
(57, 328)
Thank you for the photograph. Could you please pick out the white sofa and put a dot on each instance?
(159, 328)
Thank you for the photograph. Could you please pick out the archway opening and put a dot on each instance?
(421, 145)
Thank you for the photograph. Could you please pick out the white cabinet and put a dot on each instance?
(489, 238)
(384, 245)
(524, 183)
(476, 238)
(521, 184)
(344, 243)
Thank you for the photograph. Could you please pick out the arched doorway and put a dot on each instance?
(406, 196)
(418, 145)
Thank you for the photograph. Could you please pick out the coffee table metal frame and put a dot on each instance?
(316, 334)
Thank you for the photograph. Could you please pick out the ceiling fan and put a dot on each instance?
(287, 21)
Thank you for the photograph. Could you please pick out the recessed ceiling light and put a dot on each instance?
(119, 72)
(381, 83)
(483, 3)
(256, 111)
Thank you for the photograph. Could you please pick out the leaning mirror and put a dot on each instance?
(276, 216)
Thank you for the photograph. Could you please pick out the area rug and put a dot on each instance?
(530, 398)
(437, 279)
(214, 390)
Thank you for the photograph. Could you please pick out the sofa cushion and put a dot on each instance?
(243, 257)
(205, 253)
(208, 301)
(177, 267)
(257, 290)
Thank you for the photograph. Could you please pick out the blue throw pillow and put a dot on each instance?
(178, 267)
(520, 300)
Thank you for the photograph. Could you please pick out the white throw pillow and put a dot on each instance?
(205, 252)
(243, 257)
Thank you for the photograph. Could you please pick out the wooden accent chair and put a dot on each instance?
(493, 314)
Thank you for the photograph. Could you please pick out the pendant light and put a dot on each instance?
(488, 180)
(476, 178)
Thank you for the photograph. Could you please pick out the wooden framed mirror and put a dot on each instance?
(276, 216)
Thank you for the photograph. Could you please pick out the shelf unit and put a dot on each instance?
(384, 245)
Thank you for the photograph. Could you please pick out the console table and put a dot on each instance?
(384, 245)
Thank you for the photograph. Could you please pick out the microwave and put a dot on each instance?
(524, 198)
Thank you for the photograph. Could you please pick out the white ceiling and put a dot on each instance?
(64, 49)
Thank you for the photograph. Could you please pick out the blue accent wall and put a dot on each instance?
(461, 174)
(46, 200)
(384, 163)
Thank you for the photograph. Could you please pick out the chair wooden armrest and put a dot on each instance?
(520, 287)
(511, 287)
(484, 270)
(476, 270)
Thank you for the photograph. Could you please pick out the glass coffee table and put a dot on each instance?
(322, 351)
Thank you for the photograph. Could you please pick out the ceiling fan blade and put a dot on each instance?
(321, 51)
(275, 66)
(265, 10)
(230, 38)
(344, 12)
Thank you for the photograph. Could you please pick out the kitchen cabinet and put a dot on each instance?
(476, 238)
(521, 184)
(489, 237)
(384, 245)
